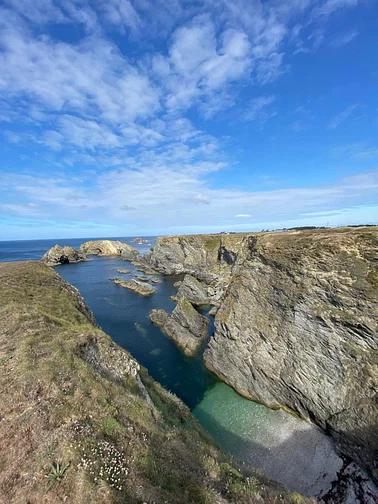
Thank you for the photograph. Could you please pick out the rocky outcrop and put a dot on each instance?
(297, 323)
(185, 326)
(70, 397)
(124, 271)
(142, 288)
(199, 293)
(142, 278)
(62, 255)
(109, 248)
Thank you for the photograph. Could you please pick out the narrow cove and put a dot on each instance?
(286, 449)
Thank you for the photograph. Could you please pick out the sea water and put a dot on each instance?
(285, 448)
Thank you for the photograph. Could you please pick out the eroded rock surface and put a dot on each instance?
(141, 288)
(109, 248)
(185, 326)
(71, 396)
(62, 255)
(297, 323)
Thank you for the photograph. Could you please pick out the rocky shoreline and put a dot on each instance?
(295, 328)
(296, 325)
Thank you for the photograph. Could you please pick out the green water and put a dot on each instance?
(286, 449)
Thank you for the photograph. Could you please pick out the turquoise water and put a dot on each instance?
(285, 448)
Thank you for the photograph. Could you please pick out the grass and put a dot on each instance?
(69, 393)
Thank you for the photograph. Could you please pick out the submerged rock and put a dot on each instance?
(109, 248)
(62, 255)
(140, 287)
(185, 326)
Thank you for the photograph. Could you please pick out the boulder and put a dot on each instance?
(186, 327)
(62, 255)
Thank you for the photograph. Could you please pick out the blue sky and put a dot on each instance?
(133, 117)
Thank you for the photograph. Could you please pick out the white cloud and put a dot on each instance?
(344, 39)
(340, 118)
(243, 215)
(258, 109)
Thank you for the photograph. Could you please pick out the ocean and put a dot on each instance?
(285, 448)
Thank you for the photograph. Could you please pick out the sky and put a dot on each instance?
(130, 117)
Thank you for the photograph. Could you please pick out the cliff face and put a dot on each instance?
(80, 415)
(297, 324)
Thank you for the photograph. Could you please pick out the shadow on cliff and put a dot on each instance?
(305, 461)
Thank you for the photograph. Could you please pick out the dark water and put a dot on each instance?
(285, 448)
(123, 314)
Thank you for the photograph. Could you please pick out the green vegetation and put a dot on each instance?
(69, 393)
(56, 474)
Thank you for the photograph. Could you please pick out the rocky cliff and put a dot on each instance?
(297, 323)
(82, 422)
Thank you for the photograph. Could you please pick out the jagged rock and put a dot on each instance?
(142, 278)
(156, 280)
(297, 323)
(297, 328)
(67, 388)
(185, 326)
(198, 293)
(140, 287)
(213, 311)
(353, 486)
(178, 283)
(146, 270)
(139, 240)
(124, 271)
(109, 248)
(62, 255)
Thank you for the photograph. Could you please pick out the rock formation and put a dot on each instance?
(156, 280)
(71, 398)
(62, 255)
(124, 271)
(142, 288)
(109, 248)
(197, 292)
(185, 326)
(297, 323)
(142, 278)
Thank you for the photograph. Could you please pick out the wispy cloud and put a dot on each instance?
(117, 108)
(258, 109)
(344, 39)
(340, 118)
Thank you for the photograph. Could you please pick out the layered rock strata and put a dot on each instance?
(297, 323)
(186, 327)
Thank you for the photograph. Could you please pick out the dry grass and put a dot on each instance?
(70, 396)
